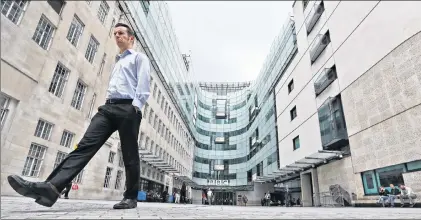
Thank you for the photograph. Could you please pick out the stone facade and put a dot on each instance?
(383, 112)
(27, 70)
(413, 180)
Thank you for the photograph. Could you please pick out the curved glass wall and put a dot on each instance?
(233, 125)
(236, 130)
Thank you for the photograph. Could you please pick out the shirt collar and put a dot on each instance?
(125, 53)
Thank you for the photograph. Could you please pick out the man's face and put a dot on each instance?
(122, 37)
(392, 186)
(402, 186)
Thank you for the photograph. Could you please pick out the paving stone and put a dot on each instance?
(26, 208)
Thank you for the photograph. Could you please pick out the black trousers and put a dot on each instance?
(109, 118)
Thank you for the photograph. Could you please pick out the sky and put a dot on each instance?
(228, 40)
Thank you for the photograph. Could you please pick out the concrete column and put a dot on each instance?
(196, 196)
(315, 181)
(306, 194)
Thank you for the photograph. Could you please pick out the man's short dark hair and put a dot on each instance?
(129, 30)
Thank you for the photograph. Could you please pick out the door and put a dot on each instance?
(369, 182)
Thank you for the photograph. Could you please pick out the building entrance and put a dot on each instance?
(223, 198)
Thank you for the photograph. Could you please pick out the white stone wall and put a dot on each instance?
(413, 180)
(26, 73)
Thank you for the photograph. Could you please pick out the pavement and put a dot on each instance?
(26, 208)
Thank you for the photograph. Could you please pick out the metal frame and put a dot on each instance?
(293, 170)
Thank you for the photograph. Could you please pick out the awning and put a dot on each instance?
(187, 180)
(294, 169)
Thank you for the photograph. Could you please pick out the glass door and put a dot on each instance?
(369, 181)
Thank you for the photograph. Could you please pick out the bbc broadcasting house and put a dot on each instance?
(335, 111)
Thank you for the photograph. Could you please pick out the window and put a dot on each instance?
(145, 110)
(145, 6)
(290, 86)
(67, 139)
(111, 157)
(293, 113)
(34, 160)
(59, 158)
(120, 159)
(78, 178)
(155, 87)
(296, 142)
(13, 10)
(305, 3)
(150, 116)
(44, 33)
(79, 95)
(43, 129)
(107, 178)
(103, 11)
(389, 175)
(92, 49)
(112, 28)
(4, 104)
(57, 5)
(159, 96)
(75, 31)
(118, 179)
(101, 67)
(91, 107)
(61, 74)
(155, 122)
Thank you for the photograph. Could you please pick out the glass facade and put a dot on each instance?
(235, 129)
(231, 125)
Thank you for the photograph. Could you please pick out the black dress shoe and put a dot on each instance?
(126, 204)
(44, 193)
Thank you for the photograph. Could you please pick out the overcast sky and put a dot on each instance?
(228, 41)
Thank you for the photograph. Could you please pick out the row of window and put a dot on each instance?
(160, 99)
(146, 143)
(165, 132)
(44, 130)
(35, 158)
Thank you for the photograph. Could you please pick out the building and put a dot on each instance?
(335, 109)
(348, 107)
(55, 67)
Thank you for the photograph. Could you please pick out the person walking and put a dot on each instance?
(183, 193)
(127, 93)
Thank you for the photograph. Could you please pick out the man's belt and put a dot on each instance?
(119, 101)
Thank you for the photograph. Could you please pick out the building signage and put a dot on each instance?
(218, 182)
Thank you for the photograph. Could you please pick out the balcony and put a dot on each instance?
(220, 115)
(314, 16)
(220, 140)
(326, 77)
(320, 43)
(332, 124)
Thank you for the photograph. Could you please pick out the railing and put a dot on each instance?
(314, 16)
(332, 124)
(326, 77)
(335, 197)
(320, 43)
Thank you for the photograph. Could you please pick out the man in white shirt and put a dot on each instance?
(127, 93)
(407, 193)
(210, 194)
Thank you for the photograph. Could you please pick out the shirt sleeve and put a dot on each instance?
(143, 78)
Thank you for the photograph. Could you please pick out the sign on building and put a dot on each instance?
(218, 182)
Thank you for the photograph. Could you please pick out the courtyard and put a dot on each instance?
(25, 208)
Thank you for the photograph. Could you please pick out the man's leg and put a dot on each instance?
(403, 197)
(46, 193)
(96, 135)
(392, 200)
(128, 129)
